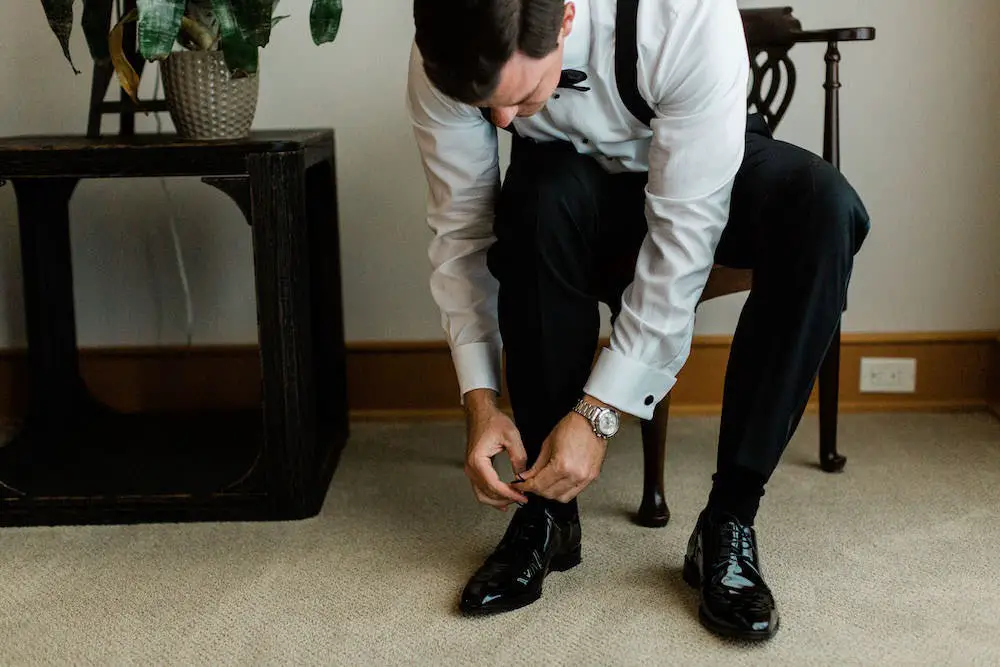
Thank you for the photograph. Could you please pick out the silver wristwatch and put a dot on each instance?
(605, 421)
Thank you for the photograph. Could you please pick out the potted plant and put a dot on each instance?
(210, 82)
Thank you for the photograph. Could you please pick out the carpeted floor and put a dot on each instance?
(894, 562)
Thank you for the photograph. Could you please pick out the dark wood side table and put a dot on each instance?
(76, 461)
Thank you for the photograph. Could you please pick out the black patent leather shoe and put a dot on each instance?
(723, 563)
(511, 577)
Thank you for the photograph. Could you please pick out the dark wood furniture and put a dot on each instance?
(771, 34)
(76, 461)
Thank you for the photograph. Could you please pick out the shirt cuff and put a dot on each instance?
(477, 366)
(628, 385)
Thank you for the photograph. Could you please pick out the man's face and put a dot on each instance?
(526, 84)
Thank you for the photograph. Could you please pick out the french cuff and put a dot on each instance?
(627, 384)
(477, 366)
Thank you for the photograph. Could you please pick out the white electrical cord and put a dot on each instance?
(178, 253)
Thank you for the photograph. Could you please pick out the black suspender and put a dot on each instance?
(627, 60)
(626, 63)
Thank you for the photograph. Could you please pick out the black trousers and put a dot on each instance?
(794, 219)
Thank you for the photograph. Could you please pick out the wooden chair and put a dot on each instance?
(771, 33)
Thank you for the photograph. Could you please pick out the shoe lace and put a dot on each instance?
(739, 541)
(736, 557)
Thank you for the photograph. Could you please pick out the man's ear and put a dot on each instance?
(568, 15)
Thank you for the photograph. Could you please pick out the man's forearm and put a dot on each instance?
(478, 401)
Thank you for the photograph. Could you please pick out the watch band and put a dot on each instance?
(590, 412)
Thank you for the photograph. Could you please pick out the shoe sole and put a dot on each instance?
(558, 564)
(693, 579)
(566, 561)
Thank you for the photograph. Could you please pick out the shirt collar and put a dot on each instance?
(576, 53)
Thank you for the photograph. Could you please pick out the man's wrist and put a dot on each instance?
(480, 400)
(599, 403)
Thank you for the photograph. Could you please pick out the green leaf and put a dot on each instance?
(60, 17)
(159, 24)
(241, 56)
(324, 20)
(96, 22)
(254, 19)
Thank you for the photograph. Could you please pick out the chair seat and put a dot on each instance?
(725, 280)
(722, 280)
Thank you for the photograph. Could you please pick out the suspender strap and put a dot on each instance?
(627, 60)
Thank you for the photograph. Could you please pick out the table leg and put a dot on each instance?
(282, 274)
(327, 304)
(58, 393)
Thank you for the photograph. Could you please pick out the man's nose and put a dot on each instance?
(503, 116)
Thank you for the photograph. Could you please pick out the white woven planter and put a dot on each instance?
(205, 102)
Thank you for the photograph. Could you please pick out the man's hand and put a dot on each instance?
(490, 432)
(571, 458)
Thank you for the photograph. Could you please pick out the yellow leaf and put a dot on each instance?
(128, 78)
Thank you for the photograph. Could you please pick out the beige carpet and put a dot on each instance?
(897, 561)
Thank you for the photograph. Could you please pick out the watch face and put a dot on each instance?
(607, 422)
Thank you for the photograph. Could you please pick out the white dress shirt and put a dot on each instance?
(693, 69)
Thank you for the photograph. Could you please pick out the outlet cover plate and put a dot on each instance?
(891, 375)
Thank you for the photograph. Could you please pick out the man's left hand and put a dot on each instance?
(570, 459)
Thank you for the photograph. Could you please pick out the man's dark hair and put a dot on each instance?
(465, 43)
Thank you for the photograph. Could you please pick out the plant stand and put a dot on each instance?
(79, 462)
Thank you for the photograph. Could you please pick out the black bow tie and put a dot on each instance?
(571, 78)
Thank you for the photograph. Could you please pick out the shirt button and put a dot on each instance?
(556, 96)
(649, 400)
(586, 141)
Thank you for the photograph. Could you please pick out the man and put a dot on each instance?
(630, 139)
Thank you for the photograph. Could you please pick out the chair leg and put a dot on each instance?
(829, 389)
(653, 511)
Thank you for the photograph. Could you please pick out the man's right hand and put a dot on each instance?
(490, 432)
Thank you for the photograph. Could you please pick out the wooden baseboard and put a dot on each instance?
(415, 380)
(993, 381)
(951, 375)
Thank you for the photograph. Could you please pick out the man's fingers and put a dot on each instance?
(571, 493)
(561, 490)
(486, 499)
(556, 482)
(489, 481)
(543, 460)
(515, 449)
(542, 482)
(487, 496)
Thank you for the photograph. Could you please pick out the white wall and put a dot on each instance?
(921, 142)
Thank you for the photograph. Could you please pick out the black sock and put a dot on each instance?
(559, 511)
(736, 491)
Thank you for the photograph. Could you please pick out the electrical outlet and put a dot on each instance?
(888, 376)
